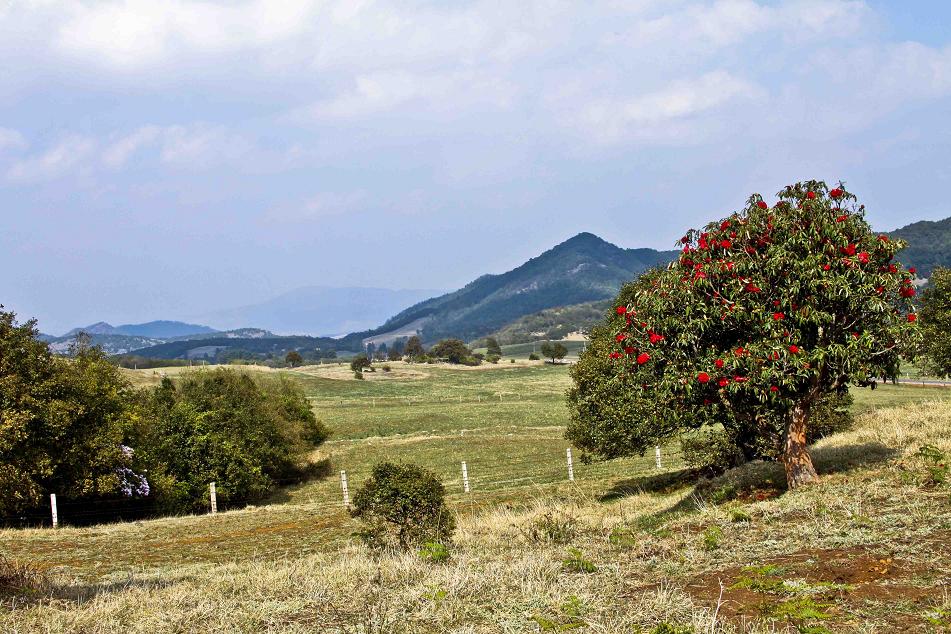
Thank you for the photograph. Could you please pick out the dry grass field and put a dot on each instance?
(624, 548)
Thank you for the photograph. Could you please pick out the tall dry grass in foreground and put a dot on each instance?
(650, 555)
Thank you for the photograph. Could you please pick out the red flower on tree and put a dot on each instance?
(718, 363)
(643, 358)
(835, 193)
(703, 377)
(912, 317)
(778, 316)
(723, 382)
(621, 310)
(794, 349)
(810, 195)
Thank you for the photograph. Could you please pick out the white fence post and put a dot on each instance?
(214, 497)
(53, 509)
(657, 456)
(571, 467)
(346, 489)
(465, 477)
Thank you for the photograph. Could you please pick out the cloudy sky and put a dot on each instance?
(162, 159)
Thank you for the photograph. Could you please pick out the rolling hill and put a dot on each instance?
(929, 245)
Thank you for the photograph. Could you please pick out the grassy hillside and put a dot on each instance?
(553, 323)
(624, 547)
(929, 245)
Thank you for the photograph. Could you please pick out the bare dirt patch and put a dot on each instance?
(836, 583)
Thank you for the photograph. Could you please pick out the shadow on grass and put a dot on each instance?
(752, 481)
(309, 473)
(666, 482)
(23, 584)
(749, 482)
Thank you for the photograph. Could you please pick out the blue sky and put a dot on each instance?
(160, 160)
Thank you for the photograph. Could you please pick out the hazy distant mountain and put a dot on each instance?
(154, 329)
(320, 310)
(582, 269)
(164, 329)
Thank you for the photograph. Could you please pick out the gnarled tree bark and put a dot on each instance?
(796, 458)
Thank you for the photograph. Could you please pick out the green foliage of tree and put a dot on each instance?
(492, 347)
(414, 347)
(293, 358)
(935, 318)
(223, 426)
(451, 350)
(360, 362)
(404, 502)
(554, 351)
(61, 420)
(765, 313)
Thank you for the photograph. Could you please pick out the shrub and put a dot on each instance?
(711, 537)
(532, 357)
(434, 552)
(360, 363)
(493, 358)
(222, 426)
(577, 562)
(405, 502)
(451, 350)
(387, 367)
(553, 527)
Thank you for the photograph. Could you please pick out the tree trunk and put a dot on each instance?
(796, 459)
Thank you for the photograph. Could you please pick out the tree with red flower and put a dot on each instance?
(788, 254)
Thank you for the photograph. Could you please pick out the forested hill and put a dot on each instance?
(584, 268)
(929, 245)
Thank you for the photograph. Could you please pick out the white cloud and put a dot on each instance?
(69, 153)
(11, 140)
(133, 34)
(660, 115)
(116, 154)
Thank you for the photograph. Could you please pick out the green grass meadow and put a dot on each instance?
(506, 421)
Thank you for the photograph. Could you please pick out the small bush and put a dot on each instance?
(358, 375)
(622, 537)
(434, 552)
(387, 367)
(936, 466)
(405, 503)
(711, 537)
(576, 562)
(531, 357)
(711, 452)
(511, 360)
(493, 358)
(553, 527)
